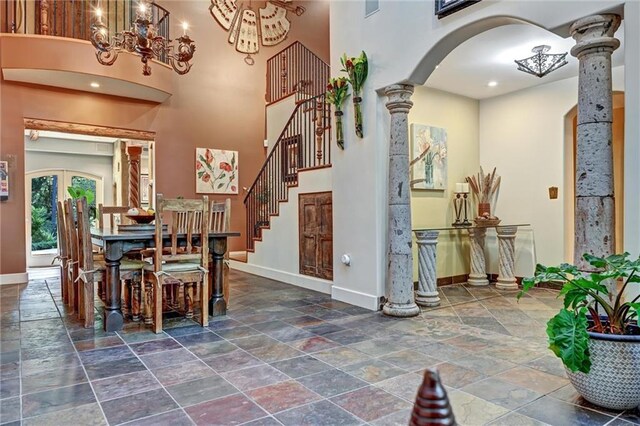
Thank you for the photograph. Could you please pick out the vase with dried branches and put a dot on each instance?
(485, 190)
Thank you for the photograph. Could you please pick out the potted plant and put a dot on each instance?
(596, 334)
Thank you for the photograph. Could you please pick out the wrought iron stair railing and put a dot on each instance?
(295, 70)
(303, 144)
(73, 18)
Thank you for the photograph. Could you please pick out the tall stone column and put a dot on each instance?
(478, 275)
(427, 294)
(400, 298)
(134, 153)
(506, 257)
(595, 211)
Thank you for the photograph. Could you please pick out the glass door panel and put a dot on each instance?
(44, 191)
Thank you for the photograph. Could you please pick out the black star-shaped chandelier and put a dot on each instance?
(143, 40)
(542, 63)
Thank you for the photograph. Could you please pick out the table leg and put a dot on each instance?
(427, 294)
(478, 275)
(217, 248)
(506, 258)
(113, 319)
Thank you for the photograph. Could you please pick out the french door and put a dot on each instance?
(43, 190)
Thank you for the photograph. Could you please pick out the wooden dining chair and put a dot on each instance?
(113, 213)
(63, 251)
(72, 254)
(92, 267)
(185, 265)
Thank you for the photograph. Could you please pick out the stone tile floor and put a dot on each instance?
(286, 355)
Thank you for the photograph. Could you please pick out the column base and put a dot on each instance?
(402, 310)
(478, 280)
(427, 299)
(507, 284)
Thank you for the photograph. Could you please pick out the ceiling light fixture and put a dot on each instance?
(492, 84)
(542, 63)
(143, 40)
(95, 85)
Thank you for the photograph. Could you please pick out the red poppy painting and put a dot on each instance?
(216, 171)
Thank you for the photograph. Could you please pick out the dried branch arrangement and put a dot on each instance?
(485, 187)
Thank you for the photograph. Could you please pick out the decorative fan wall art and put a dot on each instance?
(248, 29)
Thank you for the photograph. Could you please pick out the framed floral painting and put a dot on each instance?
(216, 171)
(428, 157)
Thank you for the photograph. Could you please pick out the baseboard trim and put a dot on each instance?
(356, 298)
(310, 283)
(19, 278)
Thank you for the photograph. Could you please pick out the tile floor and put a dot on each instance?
(286, 356)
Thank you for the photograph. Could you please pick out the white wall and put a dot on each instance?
(460, 116)
(276, 256)
(50, 153)
(523, 135)
(278, 114)
(404, 41)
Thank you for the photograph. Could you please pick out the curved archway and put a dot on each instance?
(570, 119)
(450, 41)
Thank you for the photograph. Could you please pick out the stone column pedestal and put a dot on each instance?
(399, 292)
(478, 275)
(595, 210)
(506, 260)
(427, 294)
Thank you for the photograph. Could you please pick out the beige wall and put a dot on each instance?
(219, 104)
(460, 117)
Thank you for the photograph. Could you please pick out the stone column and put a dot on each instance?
(400, 298)
(506, 260)
(427, 294)
(595, 211)
(134, 153)
(478, 275)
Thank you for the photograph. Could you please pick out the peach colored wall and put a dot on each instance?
(219, 104)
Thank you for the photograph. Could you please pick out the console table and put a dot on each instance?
(427, 239)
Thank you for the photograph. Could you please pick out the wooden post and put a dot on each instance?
(134, 153)
(44, 17)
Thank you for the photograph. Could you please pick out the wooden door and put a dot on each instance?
(316, 235)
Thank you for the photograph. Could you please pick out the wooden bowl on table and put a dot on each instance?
(141, 218)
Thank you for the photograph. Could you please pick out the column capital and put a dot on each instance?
(399, 98)
(506, 231)
(427, 237)
(595, 34)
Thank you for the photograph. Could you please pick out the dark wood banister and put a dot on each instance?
(277, 145)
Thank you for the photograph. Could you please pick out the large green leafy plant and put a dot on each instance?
(586, 293)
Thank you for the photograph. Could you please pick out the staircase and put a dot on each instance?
(303, 144)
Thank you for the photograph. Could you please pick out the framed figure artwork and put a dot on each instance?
(216, 171)
(428, 157)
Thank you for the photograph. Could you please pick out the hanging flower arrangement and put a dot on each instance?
(357, 69)
(337, 92)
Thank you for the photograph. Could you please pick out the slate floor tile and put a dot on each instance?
(535, 380)
(51, 379)
(399, 418)
(211, 349)
(104, 355)
(200, 390)
(172, 418)
(341, 356)
(555, 412)
(197, 339)
(9, 388)
(9, 409)
(237, 332)
(470, 410)
(167, 358)
(456, 376)
(85, 415)
(233, 361)
(182, 372)
(502, 393)
(332, 382)
(126, 384)
(233, 409)
(255, 377)
(48, 401)
(323, 413)
(113, 368)
(404, 386)
(275, 352)
(282, 396)
(373, 370)
(151, 346)
(139, 405)
(301, 366)
(410, 360)
(98, 343)
(370, 403)
(313, 344)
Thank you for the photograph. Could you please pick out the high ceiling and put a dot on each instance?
(490, 56)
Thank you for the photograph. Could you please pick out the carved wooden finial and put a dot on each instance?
(432, 406)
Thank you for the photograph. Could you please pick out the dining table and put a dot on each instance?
(116, 243)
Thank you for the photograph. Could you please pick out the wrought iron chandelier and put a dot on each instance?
(143, 40)
(542, 63)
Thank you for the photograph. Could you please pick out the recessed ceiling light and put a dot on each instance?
(492, 84)
(437, 66)
(95, 85)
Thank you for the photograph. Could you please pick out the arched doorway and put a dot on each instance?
(570, 123)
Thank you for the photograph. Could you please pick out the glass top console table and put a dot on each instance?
(427, 239)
